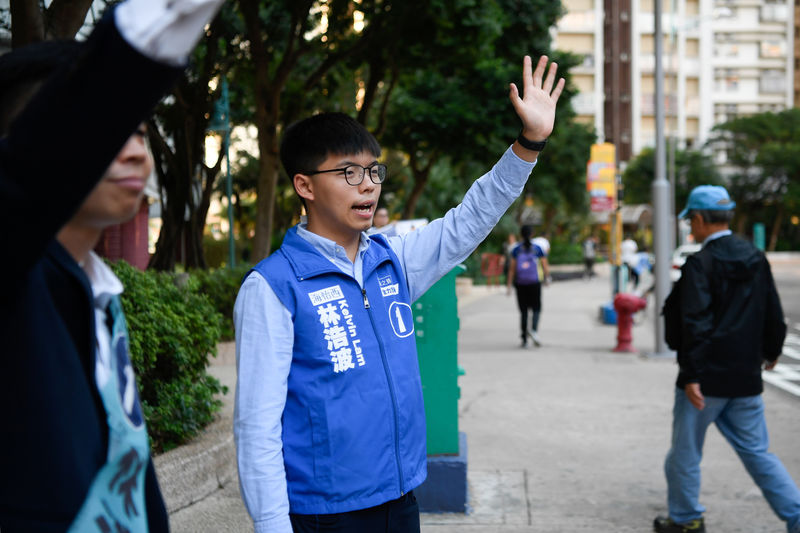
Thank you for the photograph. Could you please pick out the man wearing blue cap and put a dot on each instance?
(731, 325)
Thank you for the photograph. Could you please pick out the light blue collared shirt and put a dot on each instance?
(265, 332)
(717, 235)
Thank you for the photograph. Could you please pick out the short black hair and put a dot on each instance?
(307, 143)
(714, 216)
(25, 69)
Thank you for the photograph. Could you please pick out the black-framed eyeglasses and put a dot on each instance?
(354, 174)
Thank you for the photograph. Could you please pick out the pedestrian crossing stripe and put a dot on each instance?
(782, 377)
(793, 342)
(786, 375)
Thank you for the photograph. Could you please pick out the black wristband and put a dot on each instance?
(535, 146)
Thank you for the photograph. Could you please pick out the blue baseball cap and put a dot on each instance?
(711, 197)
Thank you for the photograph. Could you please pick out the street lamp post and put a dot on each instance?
(220, 123)
(661, 191)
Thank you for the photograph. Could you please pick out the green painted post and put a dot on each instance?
(436, 326)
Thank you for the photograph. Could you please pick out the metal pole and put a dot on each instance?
(661, 191)
(673, 137)
(229, 192)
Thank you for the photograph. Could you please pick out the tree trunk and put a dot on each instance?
(741, 223)
(776, 227)
(547, 226)
(265, 213)
(420, 180)
(61, 20)
(65, 18)
(27, 22)
(267, 182)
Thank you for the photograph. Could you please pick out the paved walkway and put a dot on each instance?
(568, 437)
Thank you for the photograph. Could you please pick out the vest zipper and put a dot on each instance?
(391, 393)
(366, 302)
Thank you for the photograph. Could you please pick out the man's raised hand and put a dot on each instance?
(537, 106)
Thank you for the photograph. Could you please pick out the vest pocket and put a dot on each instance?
(321, 443)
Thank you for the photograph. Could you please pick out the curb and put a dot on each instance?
(194, 471)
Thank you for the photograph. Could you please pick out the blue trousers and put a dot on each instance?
(741, 421)
(396, 516)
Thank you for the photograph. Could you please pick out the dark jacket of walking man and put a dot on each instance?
(731, 326)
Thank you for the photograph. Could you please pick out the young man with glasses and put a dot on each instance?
(329, 421)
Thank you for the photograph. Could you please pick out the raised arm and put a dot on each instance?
(432, 251)
(58, 148)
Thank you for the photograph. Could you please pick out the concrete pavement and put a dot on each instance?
(568, 437)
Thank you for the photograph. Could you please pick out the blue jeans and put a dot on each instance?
(741, 421)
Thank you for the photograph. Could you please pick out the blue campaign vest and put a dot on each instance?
(354, 421)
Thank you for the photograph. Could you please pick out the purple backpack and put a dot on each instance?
(527, 272)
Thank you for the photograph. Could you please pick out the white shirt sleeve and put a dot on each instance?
(165, 30)
(264, 339)
(432, 251)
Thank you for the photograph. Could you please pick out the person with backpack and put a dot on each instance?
(523, 274)
(725, 320)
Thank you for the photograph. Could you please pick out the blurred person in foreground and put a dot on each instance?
(74, 451)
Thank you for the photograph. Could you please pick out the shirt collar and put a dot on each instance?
(105, 284)
(717, 235)
(329, 248)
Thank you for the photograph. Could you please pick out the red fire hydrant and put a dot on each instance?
(625, 305)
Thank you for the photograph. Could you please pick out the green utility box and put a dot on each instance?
(436, 325)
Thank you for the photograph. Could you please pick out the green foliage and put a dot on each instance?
(564, 252)
(221, 286)
(692, 168)
(765, 151)
(172, 331)
(559, 179)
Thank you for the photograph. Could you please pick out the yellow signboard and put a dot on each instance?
(601, 177)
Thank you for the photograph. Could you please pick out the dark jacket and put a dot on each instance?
(53, 430)
(732, 319)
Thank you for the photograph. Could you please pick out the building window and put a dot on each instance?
(774, 12)
(772, 81)
(773, 49)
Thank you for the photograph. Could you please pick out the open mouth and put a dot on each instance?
(364, 209)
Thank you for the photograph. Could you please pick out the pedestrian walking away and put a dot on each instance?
(74, 451)
(725, 320)
(523, 274)
(589, 255)
(329, 421)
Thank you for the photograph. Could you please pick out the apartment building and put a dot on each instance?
(797, 53)
(722, 59)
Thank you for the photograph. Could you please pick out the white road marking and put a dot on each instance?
(777, 378)
(786, 376)
(791, 352)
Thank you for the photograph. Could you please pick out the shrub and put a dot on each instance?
(564, 253)
(172, 331)
(221, 287)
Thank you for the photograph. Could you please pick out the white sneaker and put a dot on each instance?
(535, 338)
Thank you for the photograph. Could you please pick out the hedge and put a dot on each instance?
(173, 328)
